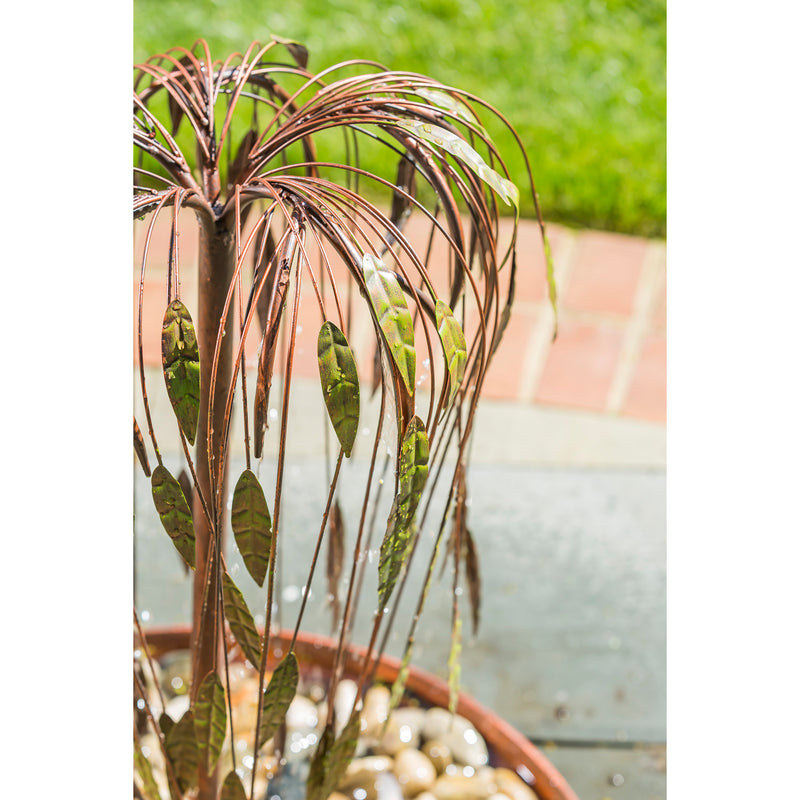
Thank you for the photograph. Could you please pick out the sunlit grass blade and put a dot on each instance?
(252, 525)
(174, 512)
(340, 389)
(180, 359)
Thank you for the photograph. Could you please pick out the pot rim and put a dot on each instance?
(528, 761)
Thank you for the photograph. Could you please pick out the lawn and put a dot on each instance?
(582, 81)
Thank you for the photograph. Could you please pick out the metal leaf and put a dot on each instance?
(252, 525)
(180, 359)
(340, 389)
(232, 788)
(473, 577)
(406, 180)
(166, 723)
(458, 147)
(413, 476)
(243, 627)
(174, 511)
(298, 51)
(210, 719)
(181, 747)
(332, 758)
(454, 344)
(451, 104)
(139, 448)
(551, 281)
(278, 697)
(393, 316)
(242, 154)
(335, 559)
(145, 772)
(266, 361)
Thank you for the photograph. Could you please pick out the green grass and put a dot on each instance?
(582, 81)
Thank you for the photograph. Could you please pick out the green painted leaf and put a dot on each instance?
(278, 696)
(241, 620)
(339, 379)
(394, 318)
(458, 147)
(181, 747)
(252, 525)
(210, 719)
(454, 344)
(413, 476)
(145, 773)
(453, 105)
(174, 511)
(331, 759)
(232, 788)
(454, 665)
(180, 359)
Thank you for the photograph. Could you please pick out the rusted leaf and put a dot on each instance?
(340, 388)
(242, 154)
(180, 359)
(139, 448)
(145, 772)
(174, 512)
(181, 747)
(278, 697)
(232, 788)
(266, 362)
(243, 627)
(210, 719)
(394, 318)
(166, 723)
(470, 552)
(413, 476)
(406, 180)
(335, 559)
(252, 525)
(454, 345)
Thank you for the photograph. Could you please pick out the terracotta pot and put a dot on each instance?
(316, 654)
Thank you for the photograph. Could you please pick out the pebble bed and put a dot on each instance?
(420, 753)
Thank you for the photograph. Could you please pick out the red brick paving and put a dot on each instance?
(601, 279)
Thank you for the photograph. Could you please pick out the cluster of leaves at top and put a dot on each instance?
(428, 121)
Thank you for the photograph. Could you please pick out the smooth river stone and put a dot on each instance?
(460, 787)
(403, 730)
(509, 783)
(414, 772)
(372, 775)
(375, 711)
(458, 733)
(439, 754)
(346, 693)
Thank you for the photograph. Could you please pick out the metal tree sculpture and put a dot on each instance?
(272, 216)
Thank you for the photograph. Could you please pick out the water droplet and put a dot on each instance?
(145, 616)
(140, 704)
(176, 682)
(459, 591)
(137, 653)
(273, 414)
(360, 794)
(365, 431)
(405, 733)
(469, 771)
(470, 737)
(616, 779)
(299, 329)
(426, 363)
(145, 751)
(248, 762)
